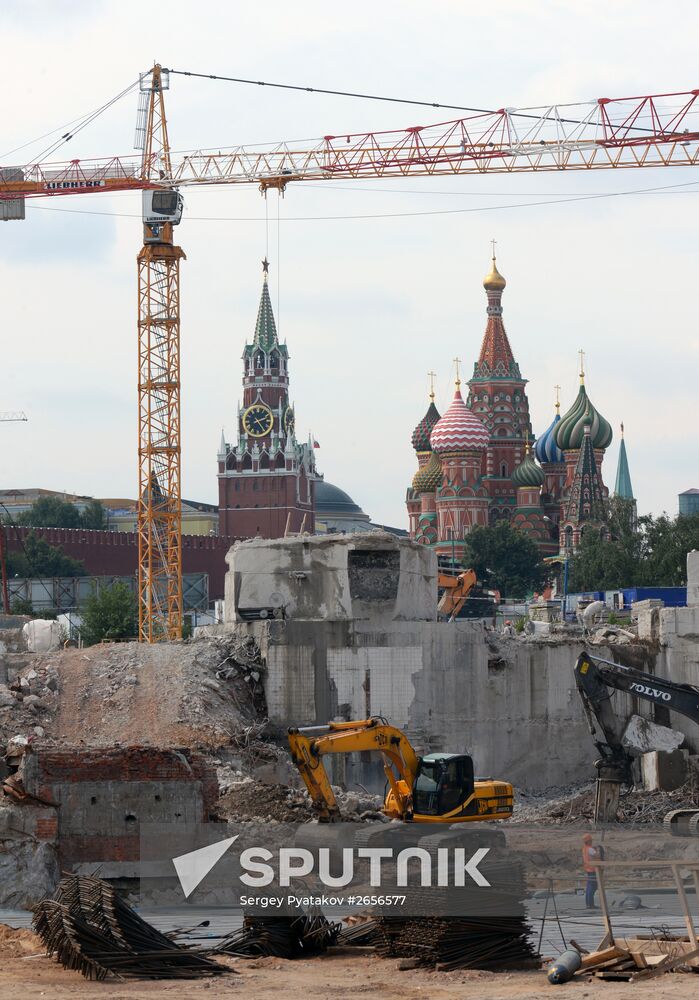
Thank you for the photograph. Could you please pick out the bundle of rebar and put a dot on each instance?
(456, 942)
(459, 929)
(89, 928)
(359, 935)
(295, 936)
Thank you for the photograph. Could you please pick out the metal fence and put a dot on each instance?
(69, 593)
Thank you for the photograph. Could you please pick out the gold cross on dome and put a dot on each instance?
(581, 353)
(558, 396)
(457, 362)
(492, 244)
(432, 378)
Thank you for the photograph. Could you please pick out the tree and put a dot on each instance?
(109, 614)
(505, 559)
(50, 512)
(39, 559)
(93, 516)
(612, 557)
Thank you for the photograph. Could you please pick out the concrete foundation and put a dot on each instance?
(664, 771)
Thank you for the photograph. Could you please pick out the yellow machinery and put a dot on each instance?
(437, 788)
(456, 590)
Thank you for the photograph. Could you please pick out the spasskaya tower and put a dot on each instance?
(267, 480)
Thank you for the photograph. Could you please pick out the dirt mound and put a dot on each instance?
(14, 942)
(198, 693)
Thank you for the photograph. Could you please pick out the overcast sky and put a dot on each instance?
(367, 306)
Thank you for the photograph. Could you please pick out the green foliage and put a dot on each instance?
(39, 559)
(520, 623)
(21, 607)
(52, 512)
(187, 627)
(504, 559)
(650, 553)
(109, 614)
(94, 516)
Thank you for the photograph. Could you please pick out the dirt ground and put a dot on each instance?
(28, 973)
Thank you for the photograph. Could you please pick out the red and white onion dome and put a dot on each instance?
(458, 429)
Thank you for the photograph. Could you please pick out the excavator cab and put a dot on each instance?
(444, 782)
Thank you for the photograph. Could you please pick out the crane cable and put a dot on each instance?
(392, 100)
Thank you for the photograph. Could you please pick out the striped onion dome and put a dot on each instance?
(571, 429)
(546, 449)
(429, 477)
(421, 434)
(458, 429)
(528, 473)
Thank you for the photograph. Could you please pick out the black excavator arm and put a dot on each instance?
(596, 681)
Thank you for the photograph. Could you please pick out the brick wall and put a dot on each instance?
(115, 553)
(104, 794)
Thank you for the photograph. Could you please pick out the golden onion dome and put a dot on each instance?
(494, 281)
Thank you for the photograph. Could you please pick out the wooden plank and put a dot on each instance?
(603, 903)
(666, 966)
(689, 921)
(596, 958)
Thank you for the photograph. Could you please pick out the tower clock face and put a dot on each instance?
(258, 420)
(289, 422)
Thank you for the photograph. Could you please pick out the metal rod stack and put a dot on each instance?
(92, 930)
(296, 936)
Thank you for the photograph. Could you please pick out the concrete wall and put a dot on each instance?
(354, 646)
(515, 708)
(371, 575)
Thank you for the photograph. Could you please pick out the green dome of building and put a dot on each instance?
(571, 428)
(527, 473)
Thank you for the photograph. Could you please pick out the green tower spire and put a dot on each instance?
(622, 487)
(265, 328)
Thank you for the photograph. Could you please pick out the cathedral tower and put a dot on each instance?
(498, 399)
(266, 480)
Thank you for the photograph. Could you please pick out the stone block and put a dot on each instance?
(643, 736)
(647, 616)
(664, 771)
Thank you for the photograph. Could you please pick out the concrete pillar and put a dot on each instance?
(693, 579)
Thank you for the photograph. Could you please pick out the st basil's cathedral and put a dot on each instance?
(478, 463)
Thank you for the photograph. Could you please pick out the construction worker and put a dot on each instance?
(590, 855)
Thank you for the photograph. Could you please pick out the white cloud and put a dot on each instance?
(367, 306)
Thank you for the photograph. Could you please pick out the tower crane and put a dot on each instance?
(660, 130)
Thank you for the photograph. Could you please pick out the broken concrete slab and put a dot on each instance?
(664, 771)
(643, 736)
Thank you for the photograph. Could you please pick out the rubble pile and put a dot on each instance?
(247, 799)
(576, 805)
(197, 693)
(29, 701)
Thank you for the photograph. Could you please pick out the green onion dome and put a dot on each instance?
(429, 477)
(528, 473)
(421, 434)
(571, 429)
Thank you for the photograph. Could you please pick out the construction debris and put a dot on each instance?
(90, 929)
(576, 805)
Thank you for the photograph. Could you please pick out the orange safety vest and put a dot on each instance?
(587, 852)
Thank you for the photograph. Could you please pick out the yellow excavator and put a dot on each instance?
(437, 788)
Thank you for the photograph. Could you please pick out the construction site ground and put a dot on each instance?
(28, 973)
